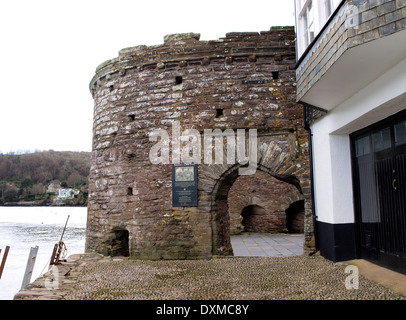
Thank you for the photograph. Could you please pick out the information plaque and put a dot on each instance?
(184, 185)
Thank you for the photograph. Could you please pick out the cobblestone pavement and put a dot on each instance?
(304, 277)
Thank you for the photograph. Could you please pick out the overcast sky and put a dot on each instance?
(49, 51)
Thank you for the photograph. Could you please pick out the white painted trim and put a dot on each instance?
(331, 144)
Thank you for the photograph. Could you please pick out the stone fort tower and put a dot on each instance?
(243, 81)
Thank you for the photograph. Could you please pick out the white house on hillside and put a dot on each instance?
(64, 194)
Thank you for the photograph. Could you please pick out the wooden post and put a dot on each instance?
(30, 267)
(3, 262)
(53, 257)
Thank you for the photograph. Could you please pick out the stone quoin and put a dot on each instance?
(245, 80)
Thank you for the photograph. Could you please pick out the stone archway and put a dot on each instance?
(220, 208)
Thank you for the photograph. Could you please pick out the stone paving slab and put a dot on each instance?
(267, 245)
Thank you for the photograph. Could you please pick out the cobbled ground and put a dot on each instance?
(273, 278)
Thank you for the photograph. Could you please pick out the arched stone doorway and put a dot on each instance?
(220, 205)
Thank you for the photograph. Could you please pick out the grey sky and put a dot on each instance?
(50, 50)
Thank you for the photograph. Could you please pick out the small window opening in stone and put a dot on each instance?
(178, 80)
(131, 117)
(219, 113)
(129, 191)
(275, 75)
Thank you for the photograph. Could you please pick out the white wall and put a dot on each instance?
(331, 144)
(332, 174)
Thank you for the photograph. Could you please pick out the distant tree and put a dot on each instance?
(37, 188)
(3, 185)
(75, 179)
(64, 184)
(26, 183)
(11, 195)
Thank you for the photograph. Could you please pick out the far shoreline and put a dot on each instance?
(33, 204)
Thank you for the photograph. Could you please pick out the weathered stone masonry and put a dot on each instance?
(242, 81)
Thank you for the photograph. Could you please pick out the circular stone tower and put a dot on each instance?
(243, 81)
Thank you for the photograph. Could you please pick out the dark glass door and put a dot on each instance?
(379, 160)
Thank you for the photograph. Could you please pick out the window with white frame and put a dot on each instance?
(330, 6)
(311, 15)
(306, 26)
(309, 29)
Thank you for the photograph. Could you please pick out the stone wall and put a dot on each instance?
(242, 81)
(273, 196)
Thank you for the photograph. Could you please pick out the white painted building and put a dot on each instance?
(64, 194)
(351, 79)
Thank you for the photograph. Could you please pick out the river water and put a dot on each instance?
(22, 228)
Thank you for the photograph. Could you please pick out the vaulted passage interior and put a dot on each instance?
(260, 203)
(295, 217)
(252, 216)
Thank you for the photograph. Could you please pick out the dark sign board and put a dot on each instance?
(184, 185)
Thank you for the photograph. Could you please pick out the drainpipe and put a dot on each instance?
(310, 135)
